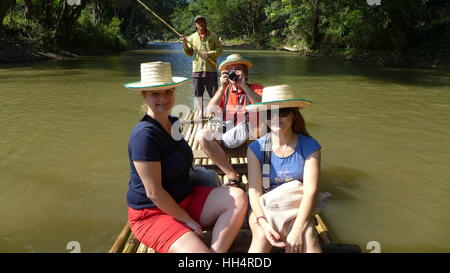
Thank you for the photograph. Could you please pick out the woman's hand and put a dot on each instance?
(183, 38)
(190, 223)
(294, 241)
(271, 235)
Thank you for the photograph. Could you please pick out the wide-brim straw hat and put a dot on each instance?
(281, 96)
(235, 59)
(156, 76)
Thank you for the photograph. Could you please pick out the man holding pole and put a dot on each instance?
(205, 47)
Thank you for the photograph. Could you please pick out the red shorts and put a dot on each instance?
(158, 230)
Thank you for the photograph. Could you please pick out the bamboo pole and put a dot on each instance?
(322, 230)
(121, 240)
(142, 248)
(131, 245)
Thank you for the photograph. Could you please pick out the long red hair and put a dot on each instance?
(298, 123)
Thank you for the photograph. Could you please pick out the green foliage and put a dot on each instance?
(344, 25)
(113, 27)
(228, 18)
(92, 37)
(94, 26)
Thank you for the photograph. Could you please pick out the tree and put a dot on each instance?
(4, 8)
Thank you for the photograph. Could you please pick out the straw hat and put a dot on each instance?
(156, 76)
(235, 59)
(279, 95)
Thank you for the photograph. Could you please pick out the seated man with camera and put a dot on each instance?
(238, 126)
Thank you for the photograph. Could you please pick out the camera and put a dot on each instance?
(232, 75)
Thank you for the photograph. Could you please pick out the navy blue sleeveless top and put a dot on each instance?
(150, 142)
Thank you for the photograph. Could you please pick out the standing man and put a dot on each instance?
(207, 49)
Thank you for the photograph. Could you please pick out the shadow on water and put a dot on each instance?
(49, 74)
(328, 67)
(341, 181)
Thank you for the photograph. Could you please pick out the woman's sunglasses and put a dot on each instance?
(282, 113)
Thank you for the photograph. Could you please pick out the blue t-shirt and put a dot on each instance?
(285, 169)
(150, 142)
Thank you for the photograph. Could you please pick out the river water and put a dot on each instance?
(65, 125)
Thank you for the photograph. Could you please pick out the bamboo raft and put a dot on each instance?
(127, 243)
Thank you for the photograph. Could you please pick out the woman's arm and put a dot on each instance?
(254, 183)
(311, 175)
(254, 192)
(150, 174)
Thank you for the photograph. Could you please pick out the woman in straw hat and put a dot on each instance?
(294, 155)
(166, 212)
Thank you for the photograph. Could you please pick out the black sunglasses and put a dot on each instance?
(282, 113)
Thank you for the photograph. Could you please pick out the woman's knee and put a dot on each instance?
(312, 240)
(240, 197)
(204, 135)
(259, 241)
(188, 243)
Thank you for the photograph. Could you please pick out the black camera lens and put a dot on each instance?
(232, 75)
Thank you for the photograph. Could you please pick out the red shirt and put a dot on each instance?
(236, 104)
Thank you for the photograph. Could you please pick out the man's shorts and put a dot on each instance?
(201, 83)
(158, 230)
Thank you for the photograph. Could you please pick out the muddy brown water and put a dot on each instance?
(65, 125)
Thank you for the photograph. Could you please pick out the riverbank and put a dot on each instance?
(413, 59)
(17, 50)
(20, 51)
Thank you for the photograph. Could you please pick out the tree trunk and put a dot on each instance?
(29, 10)
(12, 12)
(65, 23)
(315, 27)
(48, 11)
(130, 22)
(4, 8)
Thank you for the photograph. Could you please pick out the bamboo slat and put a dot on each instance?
(121, 240)
(322, 230)
(142, 248)
(131, 245)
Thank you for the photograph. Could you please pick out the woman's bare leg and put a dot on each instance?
(259, 242)
(188, 243)
(311, 240)
(226, 206)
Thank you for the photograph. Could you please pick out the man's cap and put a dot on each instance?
(199, 17)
